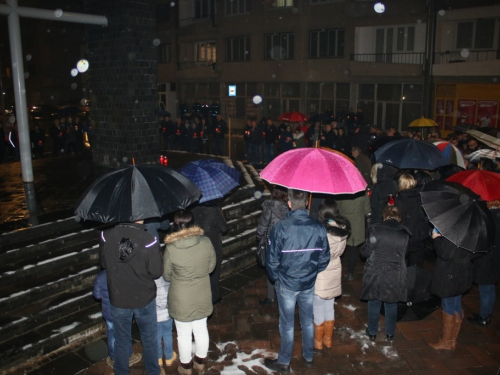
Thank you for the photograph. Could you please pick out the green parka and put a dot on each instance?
(355, 210)
(188, 260)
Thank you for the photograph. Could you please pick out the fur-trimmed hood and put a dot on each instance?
(184, 233)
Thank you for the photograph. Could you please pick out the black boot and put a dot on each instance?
(478, 319)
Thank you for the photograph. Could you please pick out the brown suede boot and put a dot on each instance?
(448, 341)
(199, 363)
(318, 336)
(185, 368)
(457, 326)
(327, 339)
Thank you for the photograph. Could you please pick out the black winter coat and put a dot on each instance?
(453, 270)
(209, 217)
(413, 215)
(486, 268)
(384, 278)
(380, 191)
(272, 212)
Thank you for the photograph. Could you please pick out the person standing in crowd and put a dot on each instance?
(164, 325)
(78, 135)
(193, 138)
(133, 261)
(298, 137)
(363, 164)
(56, 134)
(298, 250)
(70, 138)
(286, 139)
(313, 134)
(2, 143)
(37, 138)
(328, 138)
(189, 258)
(355, 208)
(383, 186)
(270, 137)
(342, 142)
(273, 210)
(101, 293)
(413, 217)
(219, 130)
(179, 135)
(209, 217)
(485, 272)
(384, 278)
(451, 278)
(205, 132)
(329, 282)
(254, 141)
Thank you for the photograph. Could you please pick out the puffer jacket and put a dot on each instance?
(131, 282)
(380, 191)
(298, 250)
(188, 260)
(101, 293)
(272, 212)
(162, 287)
(486, 266)
(452, 274)
(385, 250)
(329, 282)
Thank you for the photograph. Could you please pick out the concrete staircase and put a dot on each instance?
(47, 274)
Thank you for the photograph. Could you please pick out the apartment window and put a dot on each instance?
(325, 1)
(164, 53)
(273, 4)
(202, 8)
(326, 43)
(395, 39)
(237, 7)
(478, 34)
(206, 52)
(279, 46)
(238, 49)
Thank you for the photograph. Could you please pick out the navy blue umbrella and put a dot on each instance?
(409, 153)
(215, 179)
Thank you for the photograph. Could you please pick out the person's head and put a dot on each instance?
(406, 181)
(328, 210)
(359, 109)
(317, 125)
(219, 117)
(374, 171)
(355, 151)
(253, 123)
(280, 194)
(269, 121)
(487, 165)
(472, 144)
(341, 131)
(422, 177)
(328, 127)
(182, 220)
(493, 204)
(391, 212)
(335, 124)
(297, 199)
(56, 122)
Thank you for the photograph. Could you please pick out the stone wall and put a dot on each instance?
(122, 82)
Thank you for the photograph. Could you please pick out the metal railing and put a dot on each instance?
(196, 64)
(465, 55)
(393, 58)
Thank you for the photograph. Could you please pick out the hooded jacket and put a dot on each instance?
(131, 267)
(380, 191)
(384, 278)
(298, 251)
(272, 212)
(188, 260)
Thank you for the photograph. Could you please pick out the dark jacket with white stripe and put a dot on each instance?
(131, 280)
(298, 250)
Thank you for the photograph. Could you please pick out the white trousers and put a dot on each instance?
(185, 332)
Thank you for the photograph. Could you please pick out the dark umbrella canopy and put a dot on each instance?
(409, 153)
(459, 214)
(135, 193)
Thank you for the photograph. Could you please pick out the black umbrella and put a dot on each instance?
(410, 153)
(460, 215)
(135, 193)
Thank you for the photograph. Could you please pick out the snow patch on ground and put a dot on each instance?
(350, 307)
(242, 359)
(359, 336)
(389, 352)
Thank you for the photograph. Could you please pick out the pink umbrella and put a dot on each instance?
(316, 170)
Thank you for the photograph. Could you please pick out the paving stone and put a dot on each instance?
(482, 356)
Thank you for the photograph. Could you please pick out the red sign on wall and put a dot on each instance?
(466, 112)
(487, 113)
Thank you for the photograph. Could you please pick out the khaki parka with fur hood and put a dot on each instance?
(188, 260)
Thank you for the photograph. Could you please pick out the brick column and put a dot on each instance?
(122, 82)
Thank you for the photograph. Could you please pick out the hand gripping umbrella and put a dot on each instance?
(409, 153)
(215, 179)
(134, 193)
(316, 170)
(459, 214)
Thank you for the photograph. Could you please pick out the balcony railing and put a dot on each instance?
(465, 56)
(196, 64)
(394, 58)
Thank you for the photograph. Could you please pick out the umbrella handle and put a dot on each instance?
(133, 161)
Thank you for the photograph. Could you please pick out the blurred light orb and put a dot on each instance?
(172, 4)
(82, 66)
(58, 13)
(257, 194)
(28, 57)
(464, 52)
(83, 102)
(257, 99)
(26, 75)
(379, 7)
(125, 159)
(156, 42)
(495, 79)
(12, 119)
(74, 72)
(131, 56)
(74, 86)
(442, 12)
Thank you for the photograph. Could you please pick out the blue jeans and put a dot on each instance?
(111, 341)
(286, 303)
(165, 331)
(391, 315)
(145, 318)
(451, 305)
(488, 295)
(269, 152)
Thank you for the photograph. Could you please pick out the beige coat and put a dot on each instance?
(329, 281)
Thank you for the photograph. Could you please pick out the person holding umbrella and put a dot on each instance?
(384, 278)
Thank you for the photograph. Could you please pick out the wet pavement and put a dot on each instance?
(242, 332)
